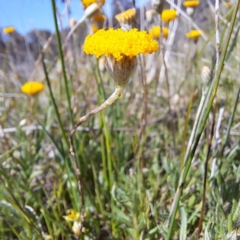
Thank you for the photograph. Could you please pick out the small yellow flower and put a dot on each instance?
(154, 32)
(194, 34)
(9, 30)
(32, 88)
(119, 43)
(72, 216)
(87, 3)
(126, 19)
(126, 16)
(75, 218)
(169, 15)
(191, 4)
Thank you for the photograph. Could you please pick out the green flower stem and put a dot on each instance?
(184, 137)
(62, 61)
(230, 122)
(115, 95)
(200, 127)
(54, 104)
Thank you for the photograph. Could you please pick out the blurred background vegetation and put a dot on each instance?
(131, 156)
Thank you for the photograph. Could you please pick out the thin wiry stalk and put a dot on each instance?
(85, 129)
(144, 106)
(193, 132)
(230, 122)
(80, 188)
(217, 134)
(44, 49)
(59, 43)
(119, 4)
(133, 3)
(169, 44)
(217, 33)
(30, 209)
(184, 136)
(205, 174)
(73, 29)
(54, 103)
(201, 125)
(115, 95)
(165, 69)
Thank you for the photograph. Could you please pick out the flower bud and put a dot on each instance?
(126, 19)
(72, 22)
(189, 11)
(206, 75)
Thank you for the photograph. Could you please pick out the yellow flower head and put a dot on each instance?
(119, 43)
(87, 3)
(32, 88)
(126, 16)
(194, 34)
(9, 30)
(155, 32)
(126, 19)
(72, 216)
(191, 3)
(169, 15)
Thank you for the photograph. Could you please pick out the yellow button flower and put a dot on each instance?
(9, 30)
(169, 15)
(154, 32)
(126, 19)
(120, 49)
(119, 43)
(87, 3)
(126, 16)
(191, 4)
(72, 216)
(32, 88)
(194, 34)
